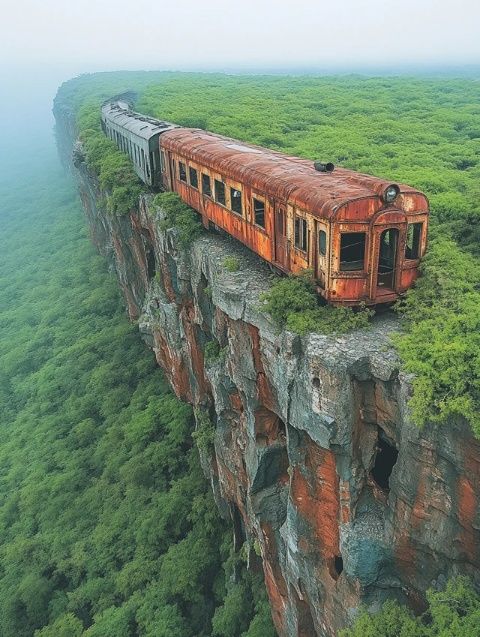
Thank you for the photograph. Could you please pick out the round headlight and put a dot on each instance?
(391, 193)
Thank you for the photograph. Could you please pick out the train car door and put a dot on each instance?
(281, 243)
(387, 259)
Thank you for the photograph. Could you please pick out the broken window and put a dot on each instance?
(220, 192)
(236, 200)
(322, 242)
(352, 251)
(259, 212)
(301, 236)
(385, 459)
(182, 171)
(193, 177)
(206, 185)
(414, 237)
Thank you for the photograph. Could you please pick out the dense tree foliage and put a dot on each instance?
(453, 612)
(107, 524)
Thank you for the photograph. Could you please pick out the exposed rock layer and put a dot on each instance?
(314, 459)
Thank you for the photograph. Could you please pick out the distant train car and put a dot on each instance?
(137, 136)
(361, 236)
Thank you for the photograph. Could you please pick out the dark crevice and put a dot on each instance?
(149, 254)
(385, 459)
(338, 564)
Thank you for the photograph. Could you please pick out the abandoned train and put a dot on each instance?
(363, 237)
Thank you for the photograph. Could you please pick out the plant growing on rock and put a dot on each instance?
(204, 434)
(231, 264)
(454, 612)
(293, 303)
(180, 216)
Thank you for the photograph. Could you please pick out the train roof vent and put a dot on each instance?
(323, 168)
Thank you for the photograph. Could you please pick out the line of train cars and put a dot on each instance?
(363, 237)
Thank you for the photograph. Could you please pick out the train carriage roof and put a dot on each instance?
(279, 175)
(119, 114)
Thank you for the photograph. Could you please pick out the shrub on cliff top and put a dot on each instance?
(180, 216)
(293, 303)
(454, 612)
(441, 344)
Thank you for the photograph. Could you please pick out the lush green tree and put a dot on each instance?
(453, 612)
(107, 524)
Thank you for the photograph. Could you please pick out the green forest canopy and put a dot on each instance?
(419, 130)
(108, 527)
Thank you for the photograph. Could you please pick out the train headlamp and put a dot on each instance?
(391, 193)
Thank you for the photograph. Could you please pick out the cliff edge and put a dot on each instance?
(306, 440)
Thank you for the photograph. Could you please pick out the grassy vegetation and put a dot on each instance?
(180, 216)
(231, 264)
(108, 527)
(293, 303)
(453, 612)
(421, 131)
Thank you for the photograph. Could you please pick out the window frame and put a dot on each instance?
(194, 170)
(414, 225)
(322, 235)
(364, 260)
(215, 198)
(182, 170)
(260, 201)
(303, 233)
(232, 198)
(209, 193)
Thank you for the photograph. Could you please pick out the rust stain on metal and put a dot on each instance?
(298, 218)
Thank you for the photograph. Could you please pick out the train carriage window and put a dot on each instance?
(206, 185)
(322, 242)
(301, 234)
(259, 212)
(193, 177)
(352, 251)
(163, 161)
(220, 192)
(182, 171)
(236, 200)
(414, 237)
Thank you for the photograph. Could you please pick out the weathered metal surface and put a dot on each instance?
(137, 136)
(281, 176)
(291, 188)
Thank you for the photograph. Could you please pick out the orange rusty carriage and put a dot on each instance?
(362, 236)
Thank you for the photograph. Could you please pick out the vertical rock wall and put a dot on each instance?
(314, 457)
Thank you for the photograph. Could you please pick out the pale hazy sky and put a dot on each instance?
(88, 35)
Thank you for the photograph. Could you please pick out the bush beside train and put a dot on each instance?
(361, 236)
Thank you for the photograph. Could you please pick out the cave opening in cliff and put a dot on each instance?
(338, 564)
(385, 459)
(269, 427)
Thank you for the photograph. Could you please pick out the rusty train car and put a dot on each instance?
(362, 236)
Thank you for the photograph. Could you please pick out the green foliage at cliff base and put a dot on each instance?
(108, 527)
(293, 303)
(454, 612)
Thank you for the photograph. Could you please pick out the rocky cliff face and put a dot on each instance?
(314, 457)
